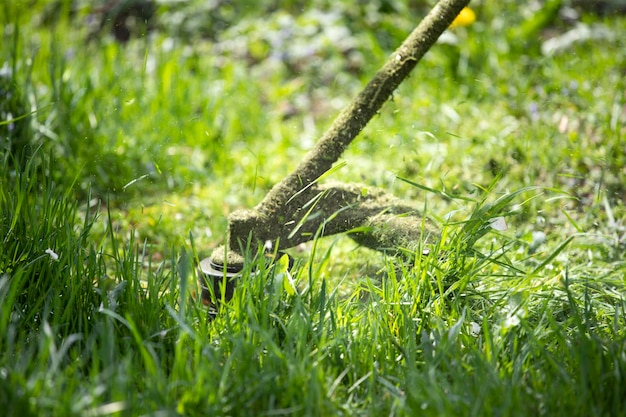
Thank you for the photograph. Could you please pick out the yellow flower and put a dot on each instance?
(465, 18)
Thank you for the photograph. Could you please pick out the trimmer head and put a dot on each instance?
(219, 272)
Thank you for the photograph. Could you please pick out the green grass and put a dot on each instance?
(120, 175)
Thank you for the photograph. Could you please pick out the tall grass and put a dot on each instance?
(70, 310)
(123, 336)
(139, 152)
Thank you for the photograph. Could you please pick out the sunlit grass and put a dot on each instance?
(140, 151)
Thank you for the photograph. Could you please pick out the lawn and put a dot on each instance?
(125, 148)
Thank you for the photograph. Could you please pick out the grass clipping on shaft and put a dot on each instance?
(286, 203)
